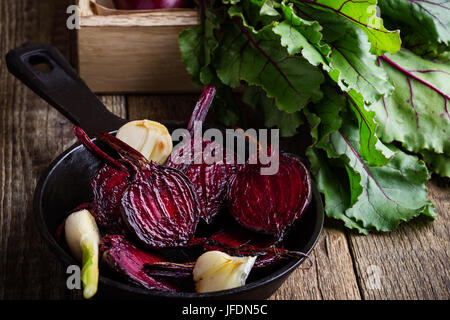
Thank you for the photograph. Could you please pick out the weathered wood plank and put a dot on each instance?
(162, 107)
(412, 262)
(331, 277)
(116, 104)
(31, 134)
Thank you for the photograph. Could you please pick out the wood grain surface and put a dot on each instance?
(409, 263)
(134, 52)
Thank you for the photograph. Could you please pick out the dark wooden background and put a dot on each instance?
(413, 261)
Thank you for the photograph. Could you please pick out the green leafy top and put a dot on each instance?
(374, 112)
(430, 19)
(363, 14)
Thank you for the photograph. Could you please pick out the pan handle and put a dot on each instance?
(44, 70)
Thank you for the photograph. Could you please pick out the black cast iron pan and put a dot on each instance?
(66, 183)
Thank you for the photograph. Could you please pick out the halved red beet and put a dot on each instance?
(108, 185)
(270, 203)
(159, 205)
(128, 261)
(209, 180)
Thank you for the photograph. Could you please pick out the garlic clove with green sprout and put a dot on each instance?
(150, 138)
(216, 270)
(83, 239)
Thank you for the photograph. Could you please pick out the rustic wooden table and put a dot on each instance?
(410, 263)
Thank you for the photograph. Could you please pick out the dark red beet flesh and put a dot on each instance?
(209, 179)
(159, 205)
(108, 185)
(270, 203)
(126, 260)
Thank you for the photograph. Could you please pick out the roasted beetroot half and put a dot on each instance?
(126, 260)
(270, 203)
(160, 207)
(210, 180)
(108, 185)
(157, 204)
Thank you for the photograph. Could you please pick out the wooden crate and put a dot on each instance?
(133, 53)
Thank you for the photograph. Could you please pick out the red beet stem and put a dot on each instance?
(127, 260)
(202, 107)
(169, 269)
(123, 149)
(409, 74)
(89, 145)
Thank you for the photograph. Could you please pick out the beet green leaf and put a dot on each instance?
(417, 113)
(362, 14)
(431, 19)
(391, 193)
(258, 59)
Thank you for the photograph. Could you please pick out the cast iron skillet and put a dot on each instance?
(66, 183)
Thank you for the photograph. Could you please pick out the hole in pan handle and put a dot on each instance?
(43, 69)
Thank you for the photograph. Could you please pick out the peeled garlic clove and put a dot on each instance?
(216, 270)
(150, 138)
(83, 239)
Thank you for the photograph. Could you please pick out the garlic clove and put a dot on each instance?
(83, 239)
(216, 270)
(150, 138)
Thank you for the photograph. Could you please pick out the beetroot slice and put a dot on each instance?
(122, 257)
(159, 205)
(108, 185)
(270, 203)
(209, 180)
